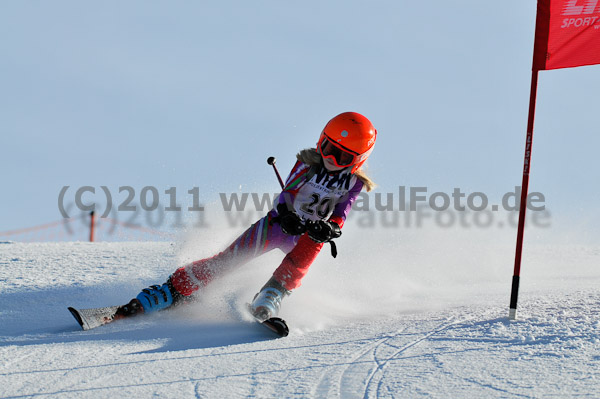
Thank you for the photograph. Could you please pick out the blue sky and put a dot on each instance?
(186, 94)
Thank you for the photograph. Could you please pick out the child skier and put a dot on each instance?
(310, 211)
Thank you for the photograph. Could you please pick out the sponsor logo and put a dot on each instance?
(579, 7)
(371, 141)
(334, 181)
(580, 12)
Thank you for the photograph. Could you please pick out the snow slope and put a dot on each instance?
(368, 325)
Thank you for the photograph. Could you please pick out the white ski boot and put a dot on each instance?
(267, 302)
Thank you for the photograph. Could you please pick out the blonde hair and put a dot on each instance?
(311, 157)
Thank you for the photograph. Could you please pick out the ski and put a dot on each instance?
(276, 325)
(94, 317)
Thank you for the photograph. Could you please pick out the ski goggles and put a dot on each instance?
(340, 156)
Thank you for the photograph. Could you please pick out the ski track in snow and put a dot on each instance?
(447, 347)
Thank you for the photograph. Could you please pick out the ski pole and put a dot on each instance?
(271, 161)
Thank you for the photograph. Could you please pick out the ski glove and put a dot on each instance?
(323, 231)
(289, 221)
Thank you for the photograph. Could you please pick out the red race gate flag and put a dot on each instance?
(567, 34)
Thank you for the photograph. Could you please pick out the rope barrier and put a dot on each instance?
(69, 230)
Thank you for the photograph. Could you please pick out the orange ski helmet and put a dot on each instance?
(347, 140)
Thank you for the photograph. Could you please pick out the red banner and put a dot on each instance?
(567, 34)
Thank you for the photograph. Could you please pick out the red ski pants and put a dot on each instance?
(260, 238)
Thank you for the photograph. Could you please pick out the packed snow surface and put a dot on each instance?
(404, 320)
